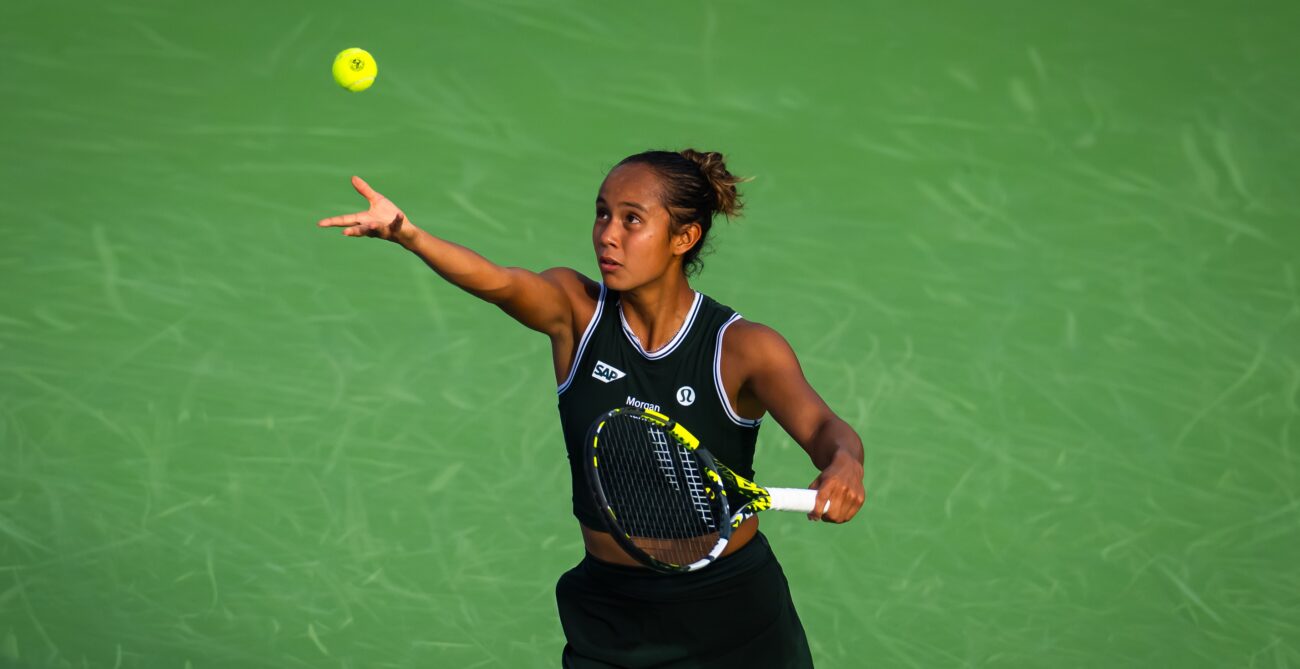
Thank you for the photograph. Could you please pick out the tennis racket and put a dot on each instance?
(665, 500)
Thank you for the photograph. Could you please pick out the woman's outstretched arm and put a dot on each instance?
(538, 301)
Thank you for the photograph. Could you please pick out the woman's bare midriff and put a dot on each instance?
(603, 547)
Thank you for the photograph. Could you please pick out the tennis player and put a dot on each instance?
(642, 336)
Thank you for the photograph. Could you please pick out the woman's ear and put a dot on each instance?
(685, 238)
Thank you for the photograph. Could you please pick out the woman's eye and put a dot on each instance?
(602, 215)
(632, 218)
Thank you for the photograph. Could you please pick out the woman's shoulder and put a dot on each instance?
(750, 340)
(754, 355)
(575, 284)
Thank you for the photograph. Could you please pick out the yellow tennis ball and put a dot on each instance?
(355, 69)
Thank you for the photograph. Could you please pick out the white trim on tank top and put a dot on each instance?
(717, 380)
(672, 343)
(582, 343)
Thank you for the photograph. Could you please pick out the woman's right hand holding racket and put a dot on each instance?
(383, 219)
(839, 486)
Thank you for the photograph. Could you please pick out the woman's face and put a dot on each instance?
(632, 234)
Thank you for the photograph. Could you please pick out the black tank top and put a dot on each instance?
(682, 380)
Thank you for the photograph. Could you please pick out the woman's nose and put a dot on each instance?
(607, 235)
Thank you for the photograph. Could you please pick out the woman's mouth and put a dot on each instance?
(608, 264)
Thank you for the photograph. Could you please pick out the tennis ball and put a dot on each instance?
(355, 69)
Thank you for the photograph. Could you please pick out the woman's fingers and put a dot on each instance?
(337, 221)
(823, 496)
(367, 229)
(381, 220)
(365, 190)
(843, 500)
(355, 225)
(344, 220)
(846, 505)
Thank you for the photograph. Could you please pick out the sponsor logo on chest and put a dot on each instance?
(607, 373)
(634, 402)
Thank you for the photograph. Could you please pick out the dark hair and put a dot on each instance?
(696, 186)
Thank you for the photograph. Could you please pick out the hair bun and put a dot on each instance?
(714, 168)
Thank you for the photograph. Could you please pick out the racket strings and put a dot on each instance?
(695, 486)
(657, 491)
(669, 461)
(659, 442)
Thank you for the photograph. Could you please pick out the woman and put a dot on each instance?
(642, 336)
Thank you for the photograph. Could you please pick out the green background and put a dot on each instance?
(1042, 255)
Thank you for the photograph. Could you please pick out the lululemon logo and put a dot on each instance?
(686, 396)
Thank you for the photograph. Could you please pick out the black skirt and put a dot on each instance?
(735, 613)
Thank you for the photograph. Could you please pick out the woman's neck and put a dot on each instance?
(656, 311)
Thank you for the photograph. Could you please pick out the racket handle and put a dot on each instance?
(795, 499)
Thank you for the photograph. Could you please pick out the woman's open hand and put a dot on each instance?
(383, 220)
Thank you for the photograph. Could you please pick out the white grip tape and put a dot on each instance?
(795, 499)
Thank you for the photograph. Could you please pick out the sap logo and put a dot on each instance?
(606, 372)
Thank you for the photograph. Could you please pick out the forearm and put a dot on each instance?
(459, 265)
(834, 441)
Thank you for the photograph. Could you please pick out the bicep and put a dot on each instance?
(541, 301)
(776, 380)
